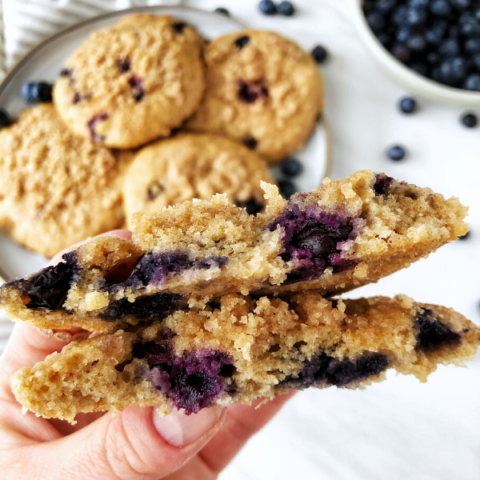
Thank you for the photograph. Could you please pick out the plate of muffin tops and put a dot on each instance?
(150, 107)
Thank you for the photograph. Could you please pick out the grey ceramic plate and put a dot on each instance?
(45, 61)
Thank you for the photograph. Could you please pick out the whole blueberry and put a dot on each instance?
(399, 16)
(469, 120)
(4, 119)
(396, 153)
(416, 16)
(434, 36)
(403, 34)
(291, 167)
(469, 24)
(450, 48)
(376, 21)
(472, 45)
(472, 82)
(453, 70)
(401, 52)
(286, 9)
(433, 58)
(287, 188)
(476, 61)
(440, 8)
(223, 11)
(407, 105)
(385, 6)
(477, 13)
(460, 4)
(267, 7)
(418, 3)
(37, 92)
(464, 237)
(417, 43)
(320, 54)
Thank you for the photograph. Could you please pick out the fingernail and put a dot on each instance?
(179, 429)
(63, 336)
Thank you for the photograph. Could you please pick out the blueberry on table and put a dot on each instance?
(396, 153)
(291, 167)
(267, 7)
(469, 120)
(287, 188)
(37, 92)
(472, 82)
(464, 237)
(223, 11)
(4, 119)
(320, 54)
(408, 105)
(286, 9)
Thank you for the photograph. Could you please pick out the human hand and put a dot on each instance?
(136, 444)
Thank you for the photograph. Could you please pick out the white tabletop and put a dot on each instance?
(399, 429)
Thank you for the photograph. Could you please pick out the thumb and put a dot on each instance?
(137, 444)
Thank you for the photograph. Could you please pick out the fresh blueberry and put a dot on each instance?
(287, 188)
(464, 237)
(433, 58)
(320, 54)
(267, 7)
(434, 36)
(286, 9)
(396, 153)
(401, 52)
(417, 43)
(460, 4)
(37, 92)
(469, 120)
(441, 8)
(291, 167)
(4, 119)
(469, 24)
(477, 13)
(222, 11)
(418, 3)
(476, 61)
(416, 16)
(472, 45)
(399, 16)
(376, 21)
(450, 48)
(453, 70)
(472, 82)
(385, 6)
(403, 34)
(408, 105)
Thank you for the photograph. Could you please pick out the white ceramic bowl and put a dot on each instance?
(412, 81)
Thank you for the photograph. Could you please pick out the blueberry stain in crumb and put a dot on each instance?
(432, 334)
(37, 92)
(320, 54)
(179, 26)
(241, 42)
(222, 11)
(250, 142)
(267, 7)
(291, 167)
(4, 119)
(396, 153)
(251, 91)
(123, 65)
(469, 120)
(382, 184)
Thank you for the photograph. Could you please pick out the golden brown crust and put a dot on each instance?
(286, 80)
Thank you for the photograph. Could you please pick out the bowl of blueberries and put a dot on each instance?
(431, 47)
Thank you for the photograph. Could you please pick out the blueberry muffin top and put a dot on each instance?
(192, 166)
(56, 188)
(134, 82)
(262, 89)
